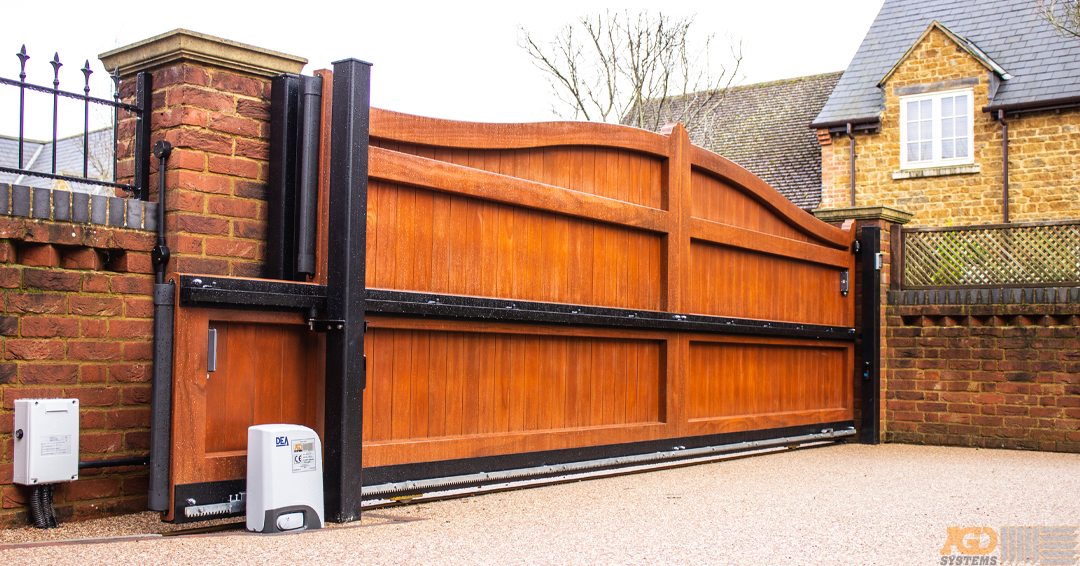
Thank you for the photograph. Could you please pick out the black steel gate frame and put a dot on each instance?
(344, 301)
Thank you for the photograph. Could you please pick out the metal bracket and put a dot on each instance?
(844, 283)
(879, 261)
(236, 504)
(326, 325)
(211, 350)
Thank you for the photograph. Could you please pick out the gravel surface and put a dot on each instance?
(847, 504)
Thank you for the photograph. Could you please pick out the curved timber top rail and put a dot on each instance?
(769, 197)
(395, 126)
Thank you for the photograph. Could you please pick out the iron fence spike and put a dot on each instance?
(56, 64)
(87, 71)
(22, 62)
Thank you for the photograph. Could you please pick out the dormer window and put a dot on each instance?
(936, 129)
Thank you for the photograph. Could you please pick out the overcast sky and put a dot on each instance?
(457, 60)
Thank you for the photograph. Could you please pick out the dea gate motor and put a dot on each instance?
(284, 479)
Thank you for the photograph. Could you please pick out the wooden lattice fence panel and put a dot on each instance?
(993, 256)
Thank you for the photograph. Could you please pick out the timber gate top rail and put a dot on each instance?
(27, 164)
(992, 256)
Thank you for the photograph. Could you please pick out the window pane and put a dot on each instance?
(961, 125)
(912, 110)
(925, 151)
(961, 105)
(926, 109)
(947, 149)
(926, 129)
(947, 128)
(961, 147)
(946, 107)
(913, 151)
(913, 131)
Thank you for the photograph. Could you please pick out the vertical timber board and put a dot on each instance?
(346, 249)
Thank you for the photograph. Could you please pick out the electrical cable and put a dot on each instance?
(35, 508)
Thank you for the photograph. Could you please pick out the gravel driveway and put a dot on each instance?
(846, 504)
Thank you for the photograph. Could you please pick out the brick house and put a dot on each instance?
(926, 101)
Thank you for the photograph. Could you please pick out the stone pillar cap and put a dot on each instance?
(880, 212)
(184, 45)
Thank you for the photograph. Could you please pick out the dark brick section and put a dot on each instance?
(989, 376)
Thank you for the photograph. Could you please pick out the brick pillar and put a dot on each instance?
(211, 101)
(885, 218)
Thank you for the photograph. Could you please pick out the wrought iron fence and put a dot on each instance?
(30, 166)
(992, 256)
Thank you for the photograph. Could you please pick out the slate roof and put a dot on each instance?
(762, 127)
(37, 156)
(1044, 65)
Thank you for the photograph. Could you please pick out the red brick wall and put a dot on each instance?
(990, 376)
(218, 123)
(77, 311)
(76, 322)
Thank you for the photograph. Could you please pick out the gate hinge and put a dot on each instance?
(844, 283)
(326, 325)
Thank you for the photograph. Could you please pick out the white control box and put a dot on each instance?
(284, 478)
(46, 440)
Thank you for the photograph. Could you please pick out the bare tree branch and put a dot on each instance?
(1064, 15)
(638, 70)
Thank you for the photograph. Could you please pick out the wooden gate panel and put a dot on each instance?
(714, 200)
(260, 378)
(270, 370)
(420, 240)
(729, 281)
(627, 176)
(737, 384)
(441, 389)
(438, 383)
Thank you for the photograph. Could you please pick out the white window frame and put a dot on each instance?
(936, 161)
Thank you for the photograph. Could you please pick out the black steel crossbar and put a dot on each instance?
(402, 302)
(231, 292)
(66, 94)
(206, 291)
(68, 178)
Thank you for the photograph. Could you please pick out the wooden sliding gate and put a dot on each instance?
(534, 294)
(536, 287)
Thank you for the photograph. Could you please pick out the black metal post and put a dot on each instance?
(161, 392)
(143, 89)
(116, 117)
(345, 362)
(22, 100)
(56, 64)
(869, 248)
(86, 119)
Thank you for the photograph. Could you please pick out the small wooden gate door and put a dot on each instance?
(535, 293)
